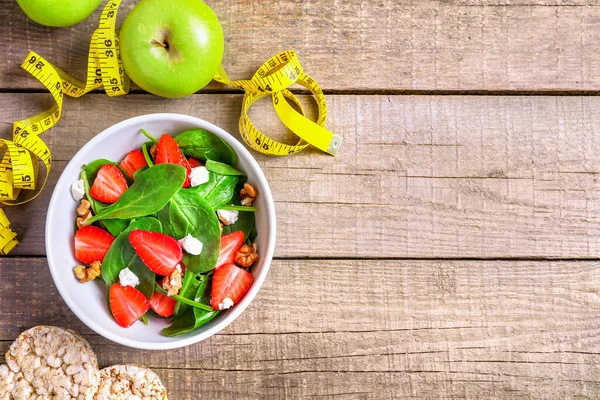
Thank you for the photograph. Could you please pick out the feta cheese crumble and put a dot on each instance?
(191, 245)
(77, 190)
(128, 278)
(198, 176)
(226, 304)
(228, 217)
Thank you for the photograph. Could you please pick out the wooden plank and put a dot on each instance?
(370, 45)
(370, 329)
(416, 177)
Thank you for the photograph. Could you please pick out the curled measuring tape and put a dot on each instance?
(22, 154)
(19, 165)
(272, 79)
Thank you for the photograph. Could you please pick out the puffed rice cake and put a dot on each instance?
(7, 382)
(130, 382)
(52, 363)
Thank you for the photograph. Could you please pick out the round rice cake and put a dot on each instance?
(52, 363)
(130, 382)
(7, 382)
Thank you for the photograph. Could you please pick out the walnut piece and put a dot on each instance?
(248, 194)
(84, 208)
(173, 283)
(153, 150)
(81, 221)
(246, 256)
(84, 213)
(84, 274)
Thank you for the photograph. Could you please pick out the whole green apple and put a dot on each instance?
(58, 12)
(171, 48)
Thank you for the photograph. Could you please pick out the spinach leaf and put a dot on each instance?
(151, 191)
(89, 172)
(193, 318)
(204, 145)
(191, 282)
(149, 136)
(146, 152)
(239, 208)
(223, 169)
(219, 189)
(121, 255)
(189, 214)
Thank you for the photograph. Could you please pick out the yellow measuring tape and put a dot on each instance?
(19, 165)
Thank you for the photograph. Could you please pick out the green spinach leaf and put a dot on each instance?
(189, 288)
(121, 255)
(89, 172)
(204, 145)
(189, 214)
(223, 169)
(151, 191)
(219, 189)
(193, 318)
(146, 152)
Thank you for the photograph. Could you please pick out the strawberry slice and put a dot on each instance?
(230, 244)
(161, 253)
(168, 152)
(127, 304)
(195, 163)
(162, 305)
(133, 162)
(230, 283)
(109, 184)
(92, 244)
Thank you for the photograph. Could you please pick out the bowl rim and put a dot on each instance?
(232, 314)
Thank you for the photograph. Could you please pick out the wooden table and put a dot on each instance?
(449, 251)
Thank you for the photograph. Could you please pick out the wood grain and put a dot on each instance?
(370, 330)
(421, 45)
(425, 176)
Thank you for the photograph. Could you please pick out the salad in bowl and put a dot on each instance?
(167, 233)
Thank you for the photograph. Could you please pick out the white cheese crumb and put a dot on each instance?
(226, 304)
(191, 245)
(228, 217)
(77, 190)
(198, 176)
(128, 278)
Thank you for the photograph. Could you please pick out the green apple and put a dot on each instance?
(58, 12)
(171, 48)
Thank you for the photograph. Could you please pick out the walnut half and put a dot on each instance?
(84, 274)
(173, 283)
(246, 256)
(84, 213)
(248, 194)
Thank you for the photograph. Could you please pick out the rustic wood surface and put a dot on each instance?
(394, 45)
(450, 251)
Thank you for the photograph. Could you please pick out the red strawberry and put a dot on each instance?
(168, 152)
(162, 305)
(230, 244)
(161, 253)
(195, 163)
(92, 244)
(127, 304)
(230, 283)
(132, 162)
(109, 184)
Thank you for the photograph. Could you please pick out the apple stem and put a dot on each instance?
(161, 44)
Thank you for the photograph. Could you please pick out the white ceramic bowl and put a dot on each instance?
(88, 301)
